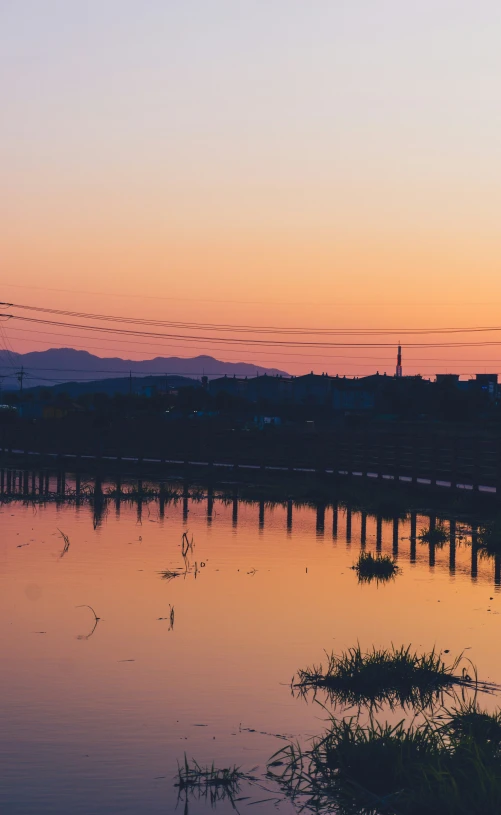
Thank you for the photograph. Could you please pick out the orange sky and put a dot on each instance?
(290, 166)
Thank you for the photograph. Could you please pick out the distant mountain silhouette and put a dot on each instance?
(58, 365)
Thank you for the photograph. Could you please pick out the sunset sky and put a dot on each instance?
(255, 162)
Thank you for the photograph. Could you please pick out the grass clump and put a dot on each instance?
(436, 535)
(398, 769)
(470, 721)
(489, 539)
(396, 676)
(380, 567)
(210, 783)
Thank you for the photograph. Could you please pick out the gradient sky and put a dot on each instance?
(275, 162)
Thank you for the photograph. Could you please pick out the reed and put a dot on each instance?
(395, 676)
(209, 783)
(371, 567)
(437, 535)
(381, 768)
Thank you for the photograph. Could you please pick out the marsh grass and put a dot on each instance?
(371, 567)
(437, 535)
(489, 539)
(470, 721)
(432, 768)
(393, 676)
(210, 783)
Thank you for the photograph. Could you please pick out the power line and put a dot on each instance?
(251, 341)
(291, 330)
(380, 358)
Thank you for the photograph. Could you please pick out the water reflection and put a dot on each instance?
(56, 487)
(111, 673)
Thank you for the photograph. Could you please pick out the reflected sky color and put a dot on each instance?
(290, 163)
(83, 729)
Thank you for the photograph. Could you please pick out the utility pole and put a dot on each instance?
(20, 376)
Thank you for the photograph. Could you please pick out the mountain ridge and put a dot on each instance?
(66, 364)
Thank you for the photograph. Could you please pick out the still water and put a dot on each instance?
(93, 718)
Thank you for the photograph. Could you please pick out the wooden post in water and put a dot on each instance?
(261, 515)
(234, 514)
(186, 496)
(161, 500)
(452, 546)
(98, 502)
(40, 483)
(210, 504)
(9, 481)
(413, 536)
(431, 546)
(289, 516)
(118, 496)
(474, 552)
(2, 480)
(320, 519)
(363, 529)
(431, 558)
(379, 533)
(335, 520)
(395, 536)
(33, 483)
(348, 523)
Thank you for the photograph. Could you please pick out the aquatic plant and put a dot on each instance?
(96, 621)
(399, 769)
(436, 535)
(396, 676)
(66, 543)
(186, 544)
(489, 538)
(210, 783)
(469, 720)
(168, 574)
(375, 567)
(193, 774)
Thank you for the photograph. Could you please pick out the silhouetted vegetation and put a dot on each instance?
(371, 567)
(450, 767)
(436, 535)
(395, 676)
(210, 783)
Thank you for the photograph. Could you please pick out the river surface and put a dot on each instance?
(95, 717)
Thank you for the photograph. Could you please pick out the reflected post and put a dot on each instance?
(452, 546)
